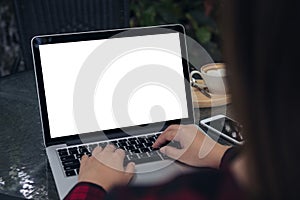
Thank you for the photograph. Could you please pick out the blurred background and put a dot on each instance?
(23, 173)
(10, 50)
(200, 18)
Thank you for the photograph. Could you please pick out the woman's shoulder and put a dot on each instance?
(203, 183)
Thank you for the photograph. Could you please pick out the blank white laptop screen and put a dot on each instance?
(61, 64)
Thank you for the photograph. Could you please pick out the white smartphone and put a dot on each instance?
(228, 128)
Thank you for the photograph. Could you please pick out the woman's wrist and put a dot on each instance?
(219, 153)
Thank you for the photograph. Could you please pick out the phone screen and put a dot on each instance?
(228, 127)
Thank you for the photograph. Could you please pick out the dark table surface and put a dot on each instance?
(24, 169)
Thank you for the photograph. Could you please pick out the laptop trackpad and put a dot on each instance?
(158, 172)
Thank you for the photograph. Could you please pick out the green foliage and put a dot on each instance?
(191, 14)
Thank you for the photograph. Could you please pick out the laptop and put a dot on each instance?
(123, 87)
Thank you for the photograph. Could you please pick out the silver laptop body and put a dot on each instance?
(111, 86)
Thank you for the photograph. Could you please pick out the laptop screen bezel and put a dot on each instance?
(97, 35)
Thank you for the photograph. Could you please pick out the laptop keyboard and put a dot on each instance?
(137, 149)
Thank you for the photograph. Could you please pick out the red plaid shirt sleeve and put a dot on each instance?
(85, 190)
(206, 184)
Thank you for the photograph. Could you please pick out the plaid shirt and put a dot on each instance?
(206, 184)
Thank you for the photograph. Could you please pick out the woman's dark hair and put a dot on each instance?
(261, 50)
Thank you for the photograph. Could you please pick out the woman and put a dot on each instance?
(261, 41)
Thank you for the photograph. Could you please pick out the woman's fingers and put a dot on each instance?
(96, 151)
(121, 153)
(130, 168)
(172, 152)
(109, 148)
(84, 159)
(168, 135)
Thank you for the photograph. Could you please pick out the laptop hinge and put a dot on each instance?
(73, 142)
(86, 139)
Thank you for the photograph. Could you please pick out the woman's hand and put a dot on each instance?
(105, 168)
(197, 149)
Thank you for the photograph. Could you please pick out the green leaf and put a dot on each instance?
(203, 34)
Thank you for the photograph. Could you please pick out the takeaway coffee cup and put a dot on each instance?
(214, 76)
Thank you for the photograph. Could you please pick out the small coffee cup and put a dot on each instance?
(214, 76)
